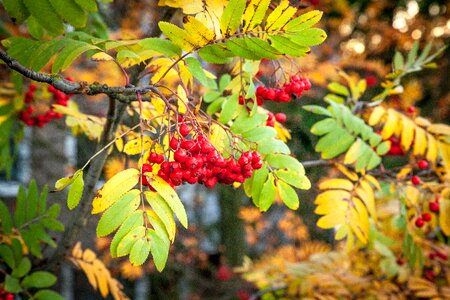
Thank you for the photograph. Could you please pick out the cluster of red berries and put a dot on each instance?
(279, 117)
(423, 165)
(197, 161)
(426, 217)
(295, 86)
(5, 295)
(438, 254)
(28, 115)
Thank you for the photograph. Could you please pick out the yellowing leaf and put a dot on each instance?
(134, 146)
(439, 129)
(407, 132)
(444, 216)
(420, 141)
(349, 174)
(254, 14)
(171, 197)
(331, 195)
(102, 56)
(391, 124)
(431, 148)
(182, 99)
(280, 16)
(114, 188)
(66, 181)
(199, 34)
(376, 115)
(336, 183)
(331, 220)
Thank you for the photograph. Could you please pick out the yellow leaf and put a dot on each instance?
(353, 153)
(134, 146)
(420, 141)
(102, 277)
(332, 205)
(422, 122)
(431, 148)
(88, 269)
(89, 255)
(376, 115)
(391, 124)
(412, 195)
(171, 197)
(350, 174)
(182, 99)
(336, 183)
(218, 137)
(403, 173)
(332, 220)
(102, 56)
(119, 142)
(331, 195)
(254, 14)
(66, 181)
(439, 129)
(373, 181)
(114, 188)
(444, 216)
(362, 215)
(280, 16)
(199, 34)
(407, 132)
(77, 252)
(367, 196)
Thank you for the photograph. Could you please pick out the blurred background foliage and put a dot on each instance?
(363, 36)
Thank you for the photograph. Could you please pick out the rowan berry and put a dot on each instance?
(419, 222)
(433, 206)
(415, 180)
(423, 164)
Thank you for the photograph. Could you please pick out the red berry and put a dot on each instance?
(185, 129)
(419, 223)
(187, 144)
(432, 255)
(280, 117)
(411, 109)
(422, 164)
(282, 96)
(426, 217)
(433, 206)
(180, 155)
(430, 275)
(400, 261)
(224, 273)
(173, 143)
(155, 158)
(146, 168)
(270, 94)
(371, 80)
(241, 100)
(32, 87)
(442, 255)
(415, 180)
(210, 182)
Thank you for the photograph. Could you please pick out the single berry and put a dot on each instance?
(411, 109)
(400, 261)
(185, 129)
(270, 94)
(419, 223)
(146, 168)
(426, 217)
(173, 143)
(280, 117)
(442, 255)
(180, 155)
(423, 164)
(415, 180)
(434, 206)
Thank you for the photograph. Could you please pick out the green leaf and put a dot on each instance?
(21, 207)
(334, 143)
(267, 146)
(224, 81)
(159, 249)
(240, 48)
(282, 161)
(126, 244)
(196, 69)
(39, 279)
(286, 46)
(324, 126)
(158, 226)
(304, 21)
(338, 89)
(171, 198)
(71, 12)
(132, 221)
(163, 212)
(177, 35)
(54, 210)
(66, 181)
(399, 61)
(22, 268)
(318, 110)
(258, 179)
(268, 194)
(231, 17)
(48, 295)
(288, 195)
(118, 212)
(45, 14)
(140, 252)
(52, 224)
(229, 108)
(75, 191)
(34, 28)
(7, 255)
(88, 5)
(12, 284)
(16, 9)
(383, 148)
(308, 37)
(71, 52)
(412, 55)
(294, 178)
(45, 52)
(163, 46)
(261, 48)
(5, 219)
(215, 106)
(32, 200)
(260, 133)
(216, 54)
(246, 123)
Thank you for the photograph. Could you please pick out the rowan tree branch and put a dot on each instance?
(123, 94)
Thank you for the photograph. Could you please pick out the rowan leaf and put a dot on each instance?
(163, 212)
(70, 11)
(170, 196)
(46, 16)
(140, 251)
(117, 213)
(268, 193)
(134, 220)
(231, 17)
(159, 250)
(304, 21)
(126, 243)
(288, 195)
(114, 188)
(39, 279)
(76, 190)
(254, 14)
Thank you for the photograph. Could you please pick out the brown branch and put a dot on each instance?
(124, 94)
(315, 163)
